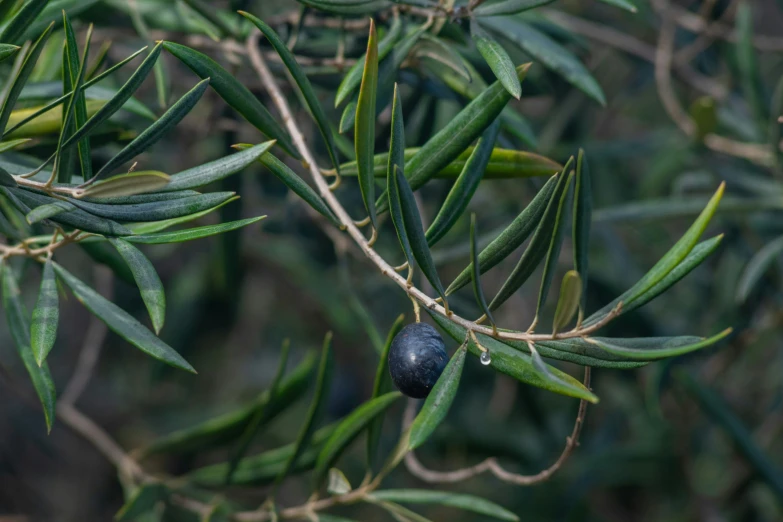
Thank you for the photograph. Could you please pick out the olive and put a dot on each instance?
(417, 357)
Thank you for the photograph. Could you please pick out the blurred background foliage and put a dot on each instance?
(696, 438)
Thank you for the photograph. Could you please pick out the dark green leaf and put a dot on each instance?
(46, 315)
(156, 210)
(756, 268)
(348, 430)
(497, 59)
(157, 226)
(6, 179)
(568, 303)
(234, 93)
(364, 134)
(622, 4)
(478, 292)
(462, 501)
(154, 132)
(47, 211)
(192, 233)
(76, 69)
(348, 7)
(147, 281)
(122, 323)
(19, 327)
(7, 51)
(556, 381)
(580, 231)
(303, 82)
(142, 502)
(101, 252)
(652, 348)
(14, 30)
(463, 189)
(508, 7)
(395, 167)
(438, 401)
(128, 184)
(431, 48)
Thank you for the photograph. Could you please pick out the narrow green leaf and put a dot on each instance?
(353, 77)
(234, 93)
(255, 423)
(219, 169)
(128, 184)
(667, 263)
(154, 132)
(553, 253)
(156, 210)
(7, 51)
(720, 413)
(6, 179)
(568, 303)
(190, 234)
(478, 293)
(508, 7)
(12, 144)
(121, 322)
(14, 30)
(438, 401)
(157, 226)
(415, 232)
(135, 199)
(380, 385)
(19, 326)
(147, 281)
(74, 66)
(209, 12)
(296, 184)
(144, 500)
(497, 58)
(463, 189)
(756, 268)
(541, 244)
(655, 348)
(549, 376)
(364, 133)
(317, 407)
(580, 230)
(512, 236)
(400, 513)
(47, 211)
(515, 363)
(577, 350)
(395, 166)
(21, 78)
(227, 427)
(461, 501)
(304, 85)
(622, 4)
(550, 53)
(347, 121)
(431, 48)
(46, 315)
(348, 7)
(348, 430)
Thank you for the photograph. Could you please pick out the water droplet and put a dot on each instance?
(485, 358)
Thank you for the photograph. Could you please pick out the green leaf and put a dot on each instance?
(46, 315)
(508, 7)
(234, 93)
(7, 51)
(76, 69)
(227, 427)
(497, 58)
(147, 281)
(756, 268)
(478, 293)
(154, 132)
(667, 263)
(122, 96)
(155, 210)
(255, 423)
(512, 236)
(568, 303)
(317, 407)
(303, 82)
(128, 184)
(515, 363)
(209, 12)
(219, 169)
(580, 230)
(550, 53)
(462, 501)
(395, 168)
(433, 49)
(102, 253)
(556, 381)
(458, 134)
(14, 30)
(415, 232)
(263, 468)
(347, 121)
(19, 327)
(338, 483)
(721, 414)
(157, 226)
(348, 7)
(192, 233)
(400, 513)
(47, 211)
(622, 4)
(655, 348)
(6, 179)
(353, 77)
(21, 78)
(348, 430)
(553, 253)
(438, 401)
(144, 500)
(364, 133)
(544, 238)
(11, 144)
(749, 72)
(296, 184)
(122, 323)
(463, 189)
(381, 384)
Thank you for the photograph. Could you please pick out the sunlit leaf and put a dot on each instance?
(338, 483)
(568, 303)
(497, 59)
(207, 173)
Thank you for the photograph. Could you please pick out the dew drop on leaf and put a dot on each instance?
(485, 358)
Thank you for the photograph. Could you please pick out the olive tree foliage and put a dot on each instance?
(55, 195)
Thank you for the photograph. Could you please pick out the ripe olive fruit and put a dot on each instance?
(417, 357)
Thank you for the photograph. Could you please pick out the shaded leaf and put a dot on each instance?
(497, 59)
(364, 134)
(478, 293)
(432, 48)
(351, 7)
(143, 500)
(462, 501)
(128, 184)
(75, 68)
(14, 30)
(757, 267)
(580, 230)
(508, 7)
(147, 281)
(750, 75)
(46, 315)
(395, 167)
(7, 51)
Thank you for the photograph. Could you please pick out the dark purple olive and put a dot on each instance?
(417, 357)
